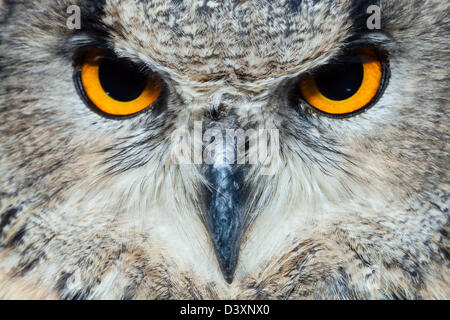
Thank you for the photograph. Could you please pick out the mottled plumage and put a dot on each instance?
(96, 208)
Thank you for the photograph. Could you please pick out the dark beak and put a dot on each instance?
(225, 197)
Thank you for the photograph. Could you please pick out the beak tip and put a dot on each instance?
(228, 267)
(228, 278)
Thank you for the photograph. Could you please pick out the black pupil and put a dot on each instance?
(341, 81)
(121, 80)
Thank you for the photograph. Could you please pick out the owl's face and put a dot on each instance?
(94, 202)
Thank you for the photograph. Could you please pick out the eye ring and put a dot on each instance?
(374, 80)
(90, 83)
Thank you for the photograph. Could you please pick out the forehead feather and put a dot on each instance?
(237, 40)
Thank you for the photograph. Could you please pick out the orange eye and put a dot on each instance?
(348, 86)
(116, 86)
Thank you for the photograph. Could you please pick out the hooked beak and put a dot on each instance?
(225, 197)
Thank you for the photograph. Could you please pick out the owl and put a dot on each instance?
(202, 149)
